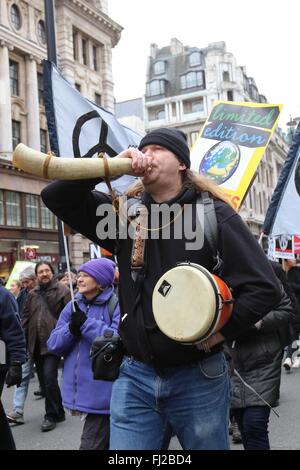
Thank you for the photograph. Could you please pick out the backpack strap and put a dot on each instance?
(210, 228)
(112, 303)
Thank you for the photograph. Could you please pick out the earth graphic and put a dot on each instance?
(220, 161)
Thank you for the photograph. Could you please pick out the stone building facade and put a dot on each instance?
(181, 86)
(85, 36)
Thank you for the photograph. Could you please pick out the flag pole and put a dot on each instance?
(52, 57)
(50, 31)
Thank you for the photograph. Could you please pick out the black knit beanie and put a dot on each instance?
(172, 139)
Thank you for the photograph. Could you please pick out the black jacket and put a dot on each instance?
(293, 276)
(257, 357)
(287, 285)
(245, 267)
(21, 299)
(11, 332)
(41, 312)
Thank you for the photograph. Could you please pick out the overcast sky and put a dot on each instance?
(263, 35)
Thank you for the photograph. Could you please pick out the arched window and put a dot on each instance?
(41, 32)
(160, 114)
(226, 76)
(15, 16)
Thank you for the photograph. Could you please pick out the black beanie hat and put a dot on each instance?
(172, 139)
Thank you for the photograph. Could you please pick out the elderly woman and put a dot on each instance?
(72, 339)
(15, 288)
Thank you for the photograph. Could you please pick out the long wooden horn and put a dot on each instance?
(51, 167)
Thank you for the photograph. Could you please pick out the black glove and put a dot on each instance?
(14, 375)
(76, 321)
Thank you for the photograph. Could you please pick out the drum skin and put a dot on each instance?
(187, 303)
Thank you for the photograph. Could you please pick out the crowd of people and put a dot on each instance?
(164, 387)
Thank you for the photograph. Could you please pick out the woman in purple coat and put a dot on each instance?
(72, 339)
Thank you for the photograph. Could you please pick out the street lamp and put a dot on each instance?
(292, 125)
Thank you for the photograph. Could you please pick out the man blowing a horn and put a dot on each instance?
(164, 383)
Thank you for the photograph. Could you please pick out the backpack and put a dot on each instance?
(211, 228)
(112, 303)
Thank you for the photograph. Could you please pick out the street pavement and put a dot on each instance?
(284, 431)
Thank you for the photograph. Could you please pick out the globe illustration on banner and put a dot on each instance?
(220, 161)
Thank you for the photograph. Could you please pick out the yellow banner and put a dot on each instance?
(231, 144)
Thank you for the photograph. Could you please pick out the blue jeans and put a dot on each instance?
(253, 425)
(193, 399)
(20, 393)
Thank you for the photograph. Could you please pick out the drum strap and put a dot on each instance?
(211, 228)
(139, 241)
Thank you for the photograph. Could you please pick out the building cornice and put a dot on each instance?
(7, 167)
(88, 12)
(15, 41)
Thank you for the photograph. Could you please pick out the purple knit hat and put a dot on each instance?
(102, 270)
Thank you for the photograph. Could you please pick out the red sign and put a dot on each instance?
(296, 244)
(30, 253)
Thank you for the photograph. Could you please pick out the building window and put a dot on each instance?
(226, 70)
(195, 59)
(75, 54)
(260, 204)
(229, 95)
(262, 99)
(194, 136)
(250, 200)
(95, 58)
(16, 133)
(32, 210)
(192, 79)
(14, 77)
(226, 77)
(43, 139)
(192, 106)
(78, 87)
(161, 114)
(47, 217)
(156, 87)
(13, 210)
(84, 52)
(159, 67)
(98, 99)
(197, 106)
(156, 112)
(41, 32)
(15, 16)
(40, 88)
(254, 93)
(1, 207)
